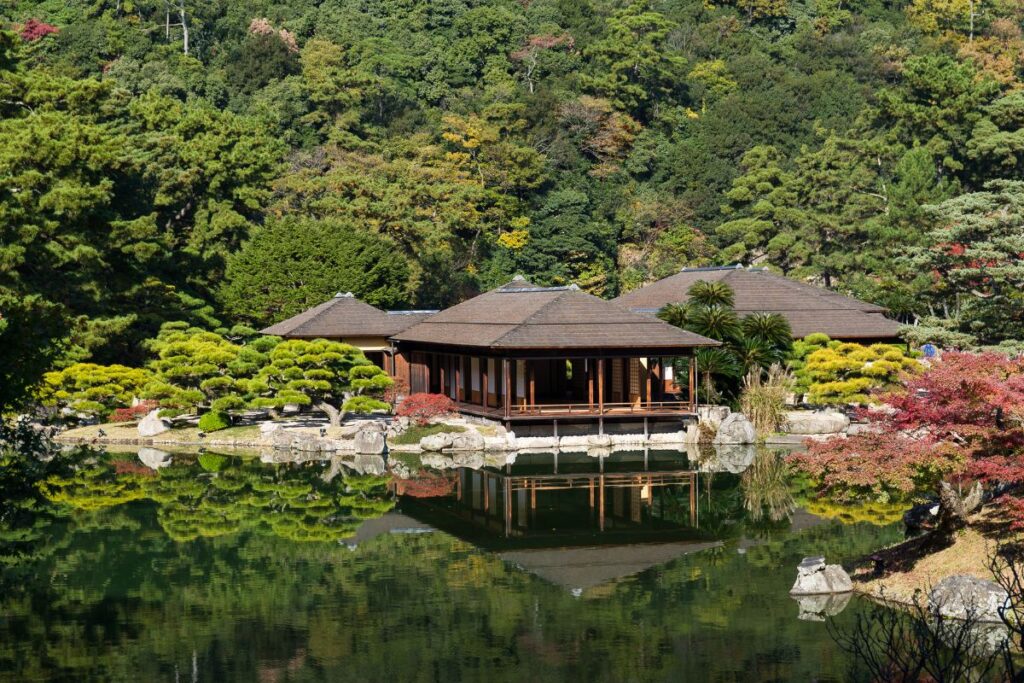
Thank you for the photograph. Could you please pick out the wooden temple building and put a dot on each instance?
(808, 308)
(522, 352)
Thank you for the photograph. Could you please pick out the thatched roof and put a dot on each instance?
(807, 307)
(520, 315)
(345, 316)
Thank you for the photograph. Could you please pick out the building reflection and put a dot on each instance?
(572, 497)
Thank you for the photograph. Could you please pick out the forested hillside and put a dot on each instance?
(234, 161)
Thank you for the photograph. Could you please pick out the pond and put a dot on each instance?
(222, 567)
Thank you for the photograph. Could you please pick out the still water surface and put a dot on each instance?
(218, 567)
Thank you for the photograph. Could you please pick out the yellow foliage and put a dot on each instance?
(514, 239)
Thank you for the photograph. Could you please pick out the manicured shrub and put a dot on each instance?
(214, 420)
(832, 372)
(424, 407)
(364, 404)
(92, 389)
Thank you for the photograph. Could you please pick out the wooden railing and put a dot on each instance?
(638, 408)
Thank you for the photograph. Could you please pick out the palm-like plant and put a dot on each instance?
(704, 293)
(751, 344)
(770, 328)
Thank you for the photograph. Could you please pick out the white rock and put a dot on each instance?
(268, 427)
(599, 441)
(961, 597)
(467, 441)
(815, 422)
(369, 441)
(735, 429)
(152, 424)
(712, 415)
(814, 577)
(436, 442)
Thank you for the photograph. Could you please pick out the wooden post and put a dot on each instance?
(508, 387)
(483, 382)
(693, 382)
(600, 386)
(458, 378)
(442, 374)
(650, 366)
(533, 382)
(590, 384)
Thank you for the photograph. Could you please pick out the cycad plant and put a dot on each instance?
(750, 344)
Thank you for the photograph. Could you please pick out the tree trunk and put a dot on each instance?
(954, 509)
(333, 414)
(184, 25)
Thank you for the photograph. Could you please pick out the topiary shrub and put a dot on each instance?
(422, 407)
(214, 421)
(833, 372)
(365, 404)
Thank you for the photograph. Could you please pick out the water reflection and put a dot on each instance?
(148, 566)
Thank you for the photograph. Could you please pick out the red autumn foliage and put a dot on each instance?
(426, 485)
(422, 408)
(34, 29)
(134, 413)
(963, 417)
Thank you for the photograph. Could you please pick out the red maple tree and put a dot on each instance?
(962, 418)
(34, 29)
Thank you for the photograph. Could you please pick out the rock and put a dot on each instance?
(436, 442)
(370, 441)
(735, 429)
(599, 441)
(820, 607)
(815, 422)
(268, 427)
(152, 424)
(467, 441)
(968, 597)
(735, 459)
(814, 577)
(154, 458)
(712, 415)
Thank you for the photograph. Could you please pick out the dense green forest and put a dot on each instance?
(221, 162)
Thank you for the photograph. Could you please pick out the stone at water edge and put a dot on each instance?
(814, 577)
(735, 429)
(815, 422)
(152, 424)
(467, 441)
(370, 442)
(268, 427)
(436, 442)
(963, 597)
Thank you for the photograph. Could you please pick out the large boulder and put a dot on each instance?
(436, 442)
(735, 429)
(815, 422)
(712, 415)
(468, 441)
(814, 577)
(968, 597)
(152, 424)
(369, 441)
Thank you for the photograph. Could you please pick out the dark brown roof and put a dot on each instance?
(520, 315)
(346, 316)
(807, 307)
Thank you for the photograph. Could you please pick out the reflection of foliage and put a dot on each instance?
(766, 494)
(872, 512)
(229, 496)
(427, 484)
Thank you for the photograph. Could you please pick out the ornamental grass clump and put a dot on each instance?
(763, 398)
